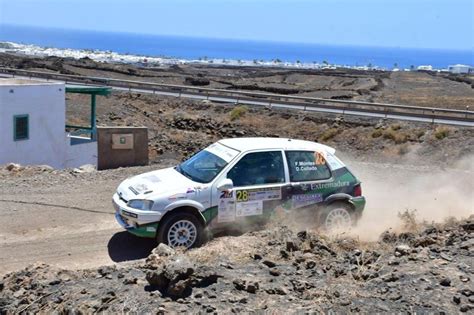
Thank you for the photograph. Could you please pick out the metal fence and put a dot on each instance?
(432, 114)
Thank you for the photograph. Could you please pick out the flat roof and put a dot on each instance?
(245, 144)
(88, 89)
(13, 81)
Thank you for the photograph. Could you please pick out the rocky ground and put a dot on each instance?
(410, 88)
(179, 127)
(64, 217)
(427, 270)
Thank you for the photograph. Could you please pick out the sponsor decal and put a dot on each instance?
(226, 210)
(225, 153)
(151, 229)
(139, 188)
(129, 214)
(152, 178)
(227, 194)
(329, 185)
(196, 190)
(244, 202)
(320, 158)
(249, 208)
(177, 197)
(304, 200)
(245, 195)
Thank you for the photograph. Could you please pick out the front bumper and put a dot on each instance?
(138, 222)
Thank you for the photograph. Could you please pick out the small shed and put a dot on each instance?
(33, 124)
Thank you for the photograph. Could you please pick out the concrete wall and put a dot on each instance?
(80, 154)
(45, 105)
(48, 143)
(109, 157)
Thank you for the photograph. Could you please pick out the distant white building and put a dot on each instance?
(461, 69)
(33, 126)
(425, 68)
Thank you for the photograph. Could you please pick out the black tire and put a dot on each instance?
(337, 215)
(170, 228)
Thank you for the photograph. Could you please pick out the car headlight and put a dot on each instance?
(140, 204)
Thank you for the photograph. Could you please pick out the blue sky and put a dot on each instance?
(447, 24)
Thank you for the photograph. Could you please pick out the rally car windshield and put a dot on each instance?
(202, 167)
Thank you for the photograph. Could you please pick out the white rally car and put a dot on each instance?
(236, 182)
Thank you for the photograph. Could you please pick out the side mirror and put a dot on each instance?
(225, 184)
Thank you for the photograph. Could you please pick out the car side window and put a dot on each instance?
(258, 168)
(307, 166)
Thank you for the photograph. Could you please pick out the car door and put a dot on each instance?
(310, 178)
(258, 180)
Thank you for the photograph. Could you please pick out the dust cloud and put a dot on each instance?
(434, 194)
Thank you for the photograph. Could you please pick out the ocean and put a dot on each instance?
(195, 48)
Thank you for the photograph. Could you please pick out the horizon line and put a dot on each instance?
(236, 39)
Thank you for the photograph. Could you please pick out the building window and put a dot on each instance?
(20, 127)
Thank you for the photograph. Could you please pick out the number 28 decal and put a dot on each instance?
(242, 195)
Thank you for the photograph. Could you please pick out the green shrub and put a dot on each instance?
(441, 133)
(397, 137)
(238, 111)
(329, 134)
(377, 133)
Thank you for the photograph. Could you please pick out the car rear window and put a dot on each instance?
(307, 166)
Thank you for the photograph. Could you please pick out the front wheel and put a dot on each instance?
(338, 216)
(180, 230)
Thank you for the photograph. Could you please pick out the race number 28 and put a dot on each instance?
(242, 195)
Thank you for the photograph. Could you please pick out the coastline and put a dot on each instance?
(135, 59)
(153, 61)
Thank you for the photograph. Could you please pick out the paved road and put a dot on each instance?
(279, 104)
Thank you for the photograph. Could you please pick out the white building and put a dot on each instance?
(425, 68)
(460, 69)
(33, 126)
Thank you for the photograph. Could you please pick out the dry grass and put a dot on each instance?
(236, 249)
(329, 134)
(420, 133)
(409, 220)
(177, 136)
(395, 135)
(441, 132)
(238, 112)
(395, 127)
(377, 133)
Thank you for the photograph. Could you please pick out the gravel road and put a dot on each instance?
(66, 219)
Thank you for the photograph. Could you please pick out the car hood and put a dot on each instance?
(160, 182)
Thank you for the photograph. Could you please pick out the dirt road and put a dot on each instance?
(66, 219)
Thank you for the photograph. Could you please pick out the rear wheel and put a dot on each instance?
(338, 216)
(180, 230)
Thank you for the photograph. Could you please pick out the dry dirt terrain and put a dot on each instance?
(65, 219)
(412, 251)
(410, 88)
